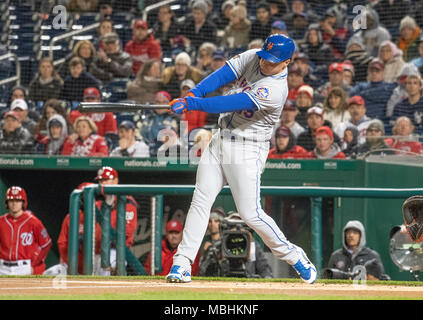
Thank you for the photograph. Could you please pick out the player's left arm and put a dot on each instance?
(43, 242)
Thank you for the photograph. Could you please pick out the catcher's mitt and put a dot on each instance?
(412, 212)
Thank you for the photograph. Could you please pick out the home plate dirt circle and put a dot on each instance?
(63, 286)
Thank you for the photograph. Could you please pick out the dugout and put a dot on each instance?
(50, 180)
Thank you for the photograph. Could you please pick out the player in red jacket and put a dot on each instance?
(143, 46)
(169, 245)
(24, 241)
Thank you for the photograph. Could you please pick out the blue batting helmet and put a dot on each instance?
(277, 48)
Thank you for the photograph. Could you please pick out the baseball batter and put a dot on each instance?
(237, 153)
(24, 242)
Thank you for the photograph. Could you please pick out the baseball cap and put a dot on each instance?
(348, 66)
(174, 225)
(127, 125)
(324, 130)
(302, 56)
(293, 68)
(219, 55)
(376, 124)
(187, 83)
(106, 173)
(164, 93)
(336, 67)
(91, 92)
(217, 214)
(18, 104)
(376, 64)
(110, 37)
(315, 110)
(12, 114)
(290, 106)
(356, 100)
(55, 123)
(282, 131)
(280, 25)
(309, 91)
(140, 24)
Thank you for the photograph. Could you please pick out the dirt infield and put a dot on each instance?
(62, 286)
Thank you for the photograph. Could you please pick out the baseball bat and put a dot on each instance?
(118, 106)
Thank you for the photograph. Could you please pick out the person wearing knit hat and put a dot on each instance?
(355, 53)
(392, 59)
(325, 146)
(348, 72)
(408, 39)
(315, 119)
(304, 97)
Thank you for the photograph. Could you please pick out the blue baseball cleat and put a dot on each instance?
(179, 274)
(305, 269)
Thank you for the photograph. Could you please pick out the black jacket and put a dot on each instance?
(18, 142)
(73, 88)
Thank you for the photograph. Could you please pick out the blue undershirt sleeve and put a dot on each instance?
(222, 104)
(214, 81)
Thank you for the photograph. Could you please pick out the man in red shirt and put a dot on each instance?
(143, 46)
(325, 146)
(169, 245)
(105, 121)
(24, 241)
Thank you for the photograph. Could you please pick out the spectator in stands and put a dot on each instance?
(82, 5)
(262, 25)
(79, 79)
(349, 73)
(50, 108)
(304, 102)
(391, 57)
(105, 8)
(278, 8)
(298, 8)
(106, 26)
(295, 81)
(335, 107)
(83, 49)
(374, 34)
(157, 120)
(350, 142)
(112, 62)
(315, 119)
(418, 62)
(223, 19)
(288, 119)
(403, 138)
(334, 32)
(46, 84)
(237, 32)
(359, 119)
(336, 79)
(104, 121)
(408, 40)
(194, 119)
(375, 141)
(359, 57)
(325, 147)
(165, 29)
(354, 252)
(303, 62)
(313, 46)
(129, 145)
(174, 75)
(20, 92)
(88, 143)
(412, 106)
(391, 12)
(197, 28)
(400, 93)
(21, 108)
(279, 27)
(14, 138)
(169, 245)
(285, 145)
(375, 92)
(143, 46)
(205, 57)
(57, 132)
(147, 82)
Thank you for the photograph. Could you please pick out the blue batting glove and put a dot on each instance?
(178, 106)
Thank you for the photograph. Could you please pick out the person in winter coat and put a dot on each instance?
(359, 58)
(391, 57)
(313, 46)
(46, 84)
(325, 147)
(408, 40)
(52, 143)
(350, 142)
(354, 252)
(262, 25)
(143, 45)
(335, 107)
(400, 93)
(285, 146)
(14, 138)
(88, 143)
(165, 29)
(237, 32)
(85, 50)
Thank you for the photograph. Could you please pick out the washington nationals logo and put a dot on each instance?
(27, 238)
(269, 46)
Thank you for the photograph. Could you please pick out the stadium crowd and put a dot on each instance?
(353, 91)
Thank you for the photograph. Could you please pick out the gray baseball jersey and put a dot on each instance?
(268, 93)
